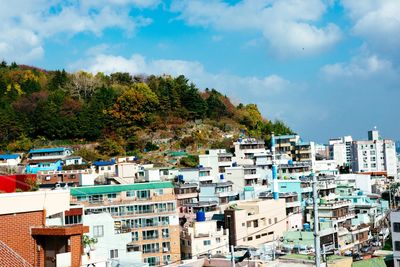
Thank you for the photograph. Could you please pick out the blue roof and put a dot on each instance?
(48, 150)
(9, 156)
(103, 163)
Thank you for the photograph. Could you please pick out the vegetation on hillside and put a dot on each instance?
(38, 105)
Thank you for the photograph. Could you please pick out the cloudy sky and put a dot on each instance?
(327, 68)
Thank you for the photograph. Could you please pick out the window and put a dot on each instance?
(276, 220)
(159, 192)
(109, 168)
(249, 238)
(143, 194)
(167, 259)
(396, 227)
(98, 231)
(166, 246)
(255, 223)
(73, 219)
(130, 193)
(132, 248)
(81, 198)
(397, 245)
(112, 196)
(135, 236)
(207, 242)
(165, 233)
(269, 221)
(113, 253)
(218, 240)
(152, 261)
(258, 236)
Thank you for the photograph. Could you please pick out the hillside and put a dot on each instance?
(118, 114)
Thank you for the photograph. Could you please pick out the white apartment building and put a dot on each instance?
(203, 238)
(375, 155)
(217, 160)
(395, 230)
(340, 150)
(246, 148)
(116, 247)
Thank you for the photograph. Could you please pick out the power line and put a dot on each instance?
(201, 253)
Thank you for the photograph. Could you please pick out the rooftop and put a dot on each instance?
(106, 189)
(48, 150)
(8, 156)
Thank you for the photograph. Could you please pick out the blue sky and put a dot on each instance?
(327, 68)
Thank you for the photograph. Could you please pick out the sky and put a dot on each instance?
(326, 68)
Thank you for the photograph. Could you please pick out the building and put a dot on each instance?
(116, 246)
(255, 222)
(395, 231)
(196, 175)
(73, 160)
(286, 144)
(105, 168)
(147, 210)
(186, 194)
(340, 150)
(51, 179)
(221, 192)
(217, 159)
(10, 160)
(204, 238)
(49, 153)
(246, 148)
(33, 232)
(375, 156)
(37, 165)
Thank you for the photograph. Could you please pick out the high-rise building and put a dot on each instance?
(147, 210)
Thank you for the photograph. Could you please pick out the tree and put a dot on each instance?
(189, 161)
(82, 85)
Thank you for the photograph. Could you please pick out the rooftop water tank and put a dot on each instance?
(221, 177)
(180, 177)
(200, 216)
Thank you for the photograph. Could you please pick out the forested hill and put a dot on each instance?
(37, 104)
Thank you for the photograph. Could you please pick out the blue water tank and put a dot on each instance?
(200, 216)
(234, 164)
(360, 193)
(180, 177)
(290, 162)
(200, 166)
(306, 227)
(221, 177)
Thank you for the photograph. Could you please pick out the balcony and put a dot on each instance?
(292, 204)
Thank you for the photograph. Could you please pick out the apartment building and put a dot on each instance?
(246, 148)
(340, 150)
(293, 208)
(221, 192)
(147, 210)
(33, 231)
(286, 144)
(197, 175)
(395, 231)
(204, 238)
(217, 160)
(376, 155)
(255, 222)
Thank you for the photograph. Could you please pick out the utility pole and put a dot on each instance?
(317, 244)
(232, 257)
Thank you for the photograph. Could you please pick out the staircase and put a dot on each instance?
(9, 257)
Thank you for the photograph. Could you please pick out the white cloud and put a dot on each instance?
(25, 25)
(359, 67)
(378, 23)
(289, 26)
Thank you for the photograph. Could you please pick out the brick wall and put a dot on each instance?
(15, 233)
(76, 250)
